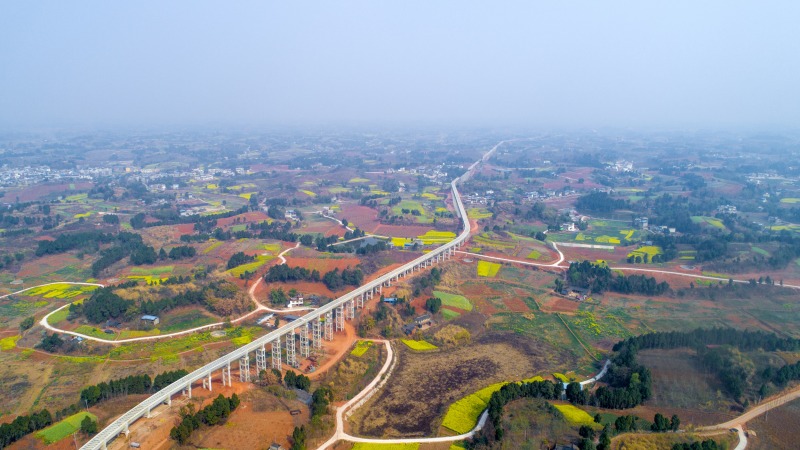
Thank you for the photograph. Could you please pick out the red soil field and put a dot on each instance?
(30, 193)
(558, 304)
(515, 304)
(322, 264)
(46, 264)
(406, 231)
(248, 217)
(363, 217)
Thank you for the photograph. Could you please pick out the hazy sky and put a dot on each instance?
(555, 63)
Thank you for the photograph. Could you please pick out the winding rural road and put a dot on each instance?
(341, 435)
(259, 308)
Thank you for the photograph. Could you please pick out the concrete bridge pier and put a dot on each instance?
(305, 350)
(276, 353)
(207, 382)
(261, 359)
(351, 309)
(329, 326)
(244, 369)
(316, 328)
(340, 318)
(291, 357)
(226, 375)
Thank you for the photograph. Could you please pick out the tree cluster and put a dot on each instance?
(600, 278)
(239, 258)
(708, 444)
(213, 414)
(24, 425)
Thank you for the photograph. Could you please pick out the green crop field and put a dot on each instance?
(58, 316)
(96, 332)
(560, 377)
(577, 416)
(358, 180)
(66, 427)
(488, 269)
(478, 213)
(649, 250)
(251, 267)
(486, 240)
(211, 247)
(454, 300)
(308, 193)
(534, 254)
(790, 200)
(157, 270)
(420, 346)
(361, 347)
(714, 222)
(449, 314)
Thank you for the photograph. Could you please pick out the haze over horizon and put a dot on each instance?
(587, 64)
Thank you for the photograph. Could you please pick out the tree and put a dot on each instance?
(88, 426)
(675, 423)
(586, 432)
(26, 324)
(299, 438)
(573, 392)
(433, 304)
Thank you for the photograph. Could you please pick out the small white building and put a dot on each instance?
(296, 301)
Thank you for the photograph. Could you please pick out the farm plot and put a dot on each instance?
(710, 221)
(454, 300)
(419, 346)
(463, 415)
(361, 347)
(646, 253)
(323, 264)
(478, 213)
(437, 237)
(252, 266)
(60, 291)
(577, 416)
(488, 269)
(66, 427)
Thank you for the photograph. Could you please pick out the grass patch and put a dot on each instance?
(478, 213)
(338, 189)
(454, 300)
(360, 348)
(760, 251)
(211, 186)
(158, 270)
(790, 200)
(534, 254)
(95, 332)
(419, 346)
(430, 196)
(9, 343)
(486, 240)
(606, 239)
(246, 195)
(712, 221)
(66, 427)
(449, 314)
(488, 269)
(576, 416)
(83, 215)
(58, 316)
(358, 180)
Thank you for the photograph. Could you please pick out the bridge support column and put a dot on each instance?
(189, 389)
(316, 330)
(380, 289)
(276, 353)
(351, 309)
(226, 375)
(207, 382)
(244, 369)
(261, 359)
(329, 326)
(305, 350)
(360, 304)
(340, 318)
(291, 358)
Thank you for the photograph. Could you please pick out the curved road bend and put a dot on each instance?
(340, 434)
(120, 424)
(259, 307)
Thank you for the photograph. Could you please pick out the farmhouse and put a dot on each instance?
(150, 320)
(423, 320)
(295, 301)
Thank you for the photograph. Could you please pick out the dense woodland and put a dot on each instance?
(600, 278)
